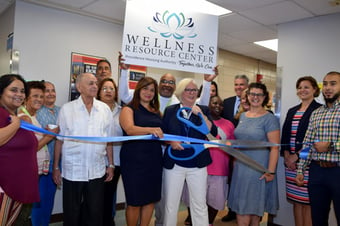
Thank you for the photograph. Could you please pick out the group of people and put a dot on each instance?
(152, 179)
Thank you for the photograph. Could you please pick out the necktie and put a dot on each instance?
(237, 105)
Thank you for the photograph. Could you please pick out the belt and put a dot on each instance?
(326, 164)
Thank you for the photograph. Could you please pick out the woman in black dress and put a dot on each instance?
(141, 160)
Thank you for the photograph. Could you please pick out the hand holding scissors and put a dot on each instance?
(198, 148)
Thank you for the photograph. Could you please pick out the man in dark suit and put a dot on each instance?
(230, 108)
(231, 104)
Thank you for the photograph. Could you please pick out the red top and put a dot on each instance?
(18, 164)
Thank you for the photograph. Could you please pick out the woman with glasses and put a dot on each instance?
(254, 192)
(108, 93)
(193, 171)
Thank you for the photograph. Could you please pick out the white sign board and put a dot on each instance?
(165, 37)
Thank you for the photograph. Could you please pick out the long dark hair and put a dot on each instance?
(212, 83)
(7, 79)
(145, 81)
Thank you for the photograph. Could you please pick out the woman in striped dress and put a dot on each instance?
(293, 132)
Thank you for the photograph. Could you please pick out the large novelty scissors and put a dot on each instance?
(225, 145)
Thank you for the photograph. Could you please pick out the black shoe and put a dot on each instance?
(187, 221)
(229, 217)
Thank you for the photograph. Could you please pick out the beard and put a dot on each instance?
(331, 100)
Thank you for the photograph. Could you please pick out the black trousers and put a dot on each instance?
(110, 192)
(323, 188)
(83, 202)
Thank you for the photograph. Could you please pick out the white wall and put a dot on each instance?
(46, 37)
(306, 47)
(6, 27)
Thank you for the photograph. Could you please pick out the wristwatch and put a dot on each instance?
(112, 166)
(331, 146)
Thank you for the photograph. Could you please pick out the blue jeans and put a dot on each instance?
(323, 187)
(41, 211)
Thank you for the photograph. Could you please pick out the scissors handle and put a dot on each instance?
(197, 148)
(203, 128)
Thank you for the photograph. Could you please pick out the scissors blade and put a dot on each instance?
(249, 144)
(241, 157)
(211, 137)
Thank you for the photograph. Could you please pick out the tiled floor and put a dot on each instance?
(120, 219)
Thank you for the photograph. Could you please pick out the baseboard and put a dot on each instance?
(58, 217)
(273, 224)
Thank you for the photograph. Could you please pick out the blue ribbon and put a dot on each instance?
(197, 148)
(167, 137)
(304, 152)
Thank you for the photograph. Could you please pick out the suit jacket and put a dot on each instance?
(228, 109)
(173, 126)
(301, 131)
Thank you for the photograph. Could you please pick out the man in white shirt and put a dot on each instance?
(83, 163)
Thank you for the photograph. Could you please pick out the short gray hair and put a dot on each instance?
(242, 77)
(181, 86)
(80, 77)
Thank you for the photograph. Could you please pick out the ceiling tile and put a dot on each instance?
(224, 39)
(319, 7)
(254, 34)
(234, 22)
(277, 13)
(107, 9)
(78, 4)
(241, 5)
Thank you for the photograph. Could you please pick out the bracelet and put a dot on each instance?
(56, 168)
(111, 166)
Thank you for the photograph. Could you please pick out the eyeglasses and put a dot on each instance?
(107, 89)
(191, 90)
(255, 94)
(170, 82)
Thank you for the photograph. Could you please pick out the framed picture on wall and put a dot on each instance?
(81, 63)
(135, 74)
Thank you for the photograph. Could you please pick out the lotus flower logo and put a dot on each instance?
(175, 25)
